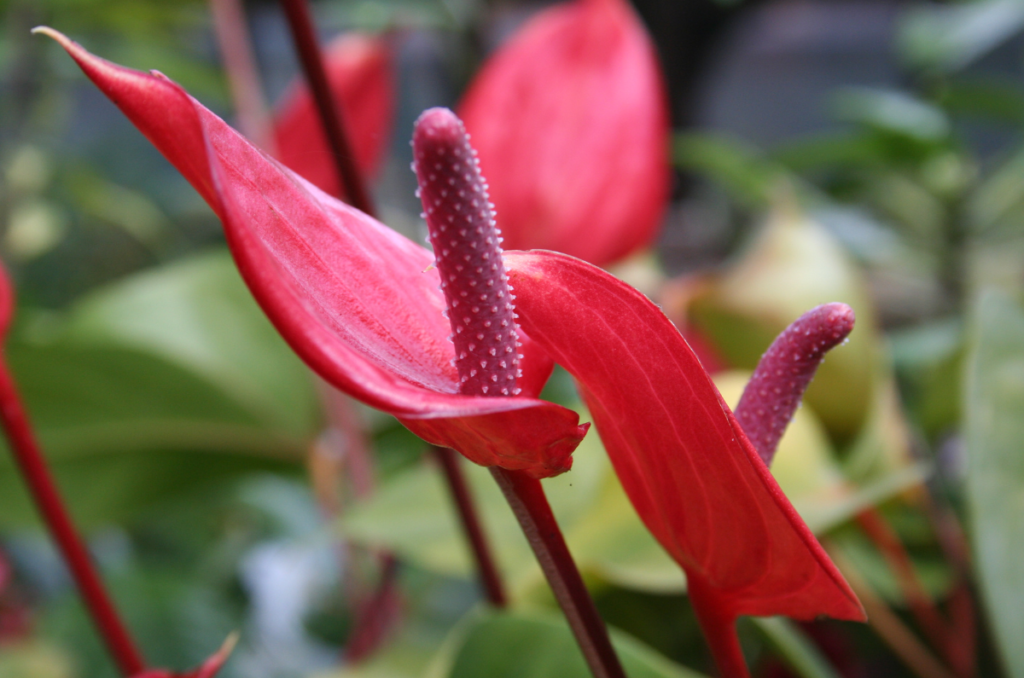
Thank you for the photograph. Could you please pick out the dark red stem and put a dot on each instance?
(376, 615)
(526, 497)
(935, 628)
(486, 567)
(301, 23)
(44, 491)
(719, 626)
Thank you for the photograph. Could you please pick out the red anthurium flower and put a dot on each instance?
(360, 74)
(359, 303)
(571, 123)
(362, 306)
(694, 478)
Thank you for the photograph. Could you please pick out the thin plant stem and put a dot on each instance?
(376, 615)
(955, 644)
(300, 22)
(887, 624)
(345, 446)
(236, 50)
(490, 579)
(889, 544)
(526, 497)
(719, 626)
(962, 654)
(962, 651)
(47, 498)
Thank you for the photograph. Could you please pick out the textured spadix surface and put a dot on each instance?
(785, 371)
(468, 253)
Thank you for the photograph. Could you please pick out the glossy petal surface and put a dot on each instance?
(358, 302)
(360, 75)
(573, 167)
(695, 480)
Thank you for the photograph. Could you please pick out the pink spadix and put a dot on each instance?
(467, 250)
(467, 253)
(784, 372)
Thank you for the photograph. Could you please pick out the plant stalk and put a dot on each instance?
(490, 579)
(719, 627)
(376, 616)
(47, 498)
(878, 530)
(526, 497)
(300, 21)
(890, 628)
(243, 77)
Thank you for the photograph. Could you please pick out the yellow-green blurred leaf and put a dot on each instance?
(994, 431)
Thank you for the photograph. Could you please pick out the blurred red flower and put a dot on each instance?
(570, 119)
(359, 72)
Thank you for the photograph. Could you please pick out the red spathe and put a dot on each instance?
(695, 480)
(359, 303)
(570, 119)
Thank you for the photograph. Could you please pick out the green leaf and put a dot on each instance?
(741, 170)
(831, 150)
(798, 651)
(997, 207)
(397, 660)
(950, 37)
(929, 363)
(542, 646)
(34, 659)
(198, 313)
(994, 429)
(808, 472)
(892, 111)
(124, 430)
(177, 621)
(988, 99)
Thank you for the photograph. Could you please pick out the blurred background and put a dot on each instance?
(867, 151)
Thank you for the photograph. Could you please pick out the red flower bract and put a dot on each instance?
(359, 303)
(360, 75)
(571, 123)
(362, 307)
(694, 478)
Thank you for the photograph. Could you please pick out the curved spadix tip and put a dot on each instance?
(837, 317)
(438, 123)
